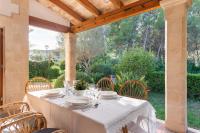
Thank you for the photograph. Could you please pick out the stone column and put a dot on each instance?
(14, 16)
(70, 57)
(176, 64)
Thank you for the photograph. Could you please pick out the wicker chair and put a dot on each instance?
(134, 89)
(26, 123)
(38, 83)
(105, 84)
(15, 117)
(13, 108)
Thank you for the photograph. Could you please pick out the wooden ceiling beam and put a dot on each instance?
(89, 6)
(68, 10)
(34, 21)
(117, 3)
(126, 11)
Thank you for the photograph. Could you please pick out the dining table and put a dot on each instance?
(99, 116)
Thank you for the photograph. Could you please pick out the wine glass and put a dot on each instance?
(67, 87)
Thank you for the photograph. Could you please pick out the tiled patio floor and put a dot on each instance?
(161, 128)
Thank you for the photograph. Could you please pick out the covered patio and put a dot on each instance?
(74, 16)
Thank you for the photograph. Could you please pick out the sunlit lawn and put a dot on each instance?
(158, 101)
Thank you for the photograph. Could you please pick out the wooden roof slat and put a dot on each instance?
(89, 6)
(117, 3)
(126, 11)
(34, 21)
(67, 9)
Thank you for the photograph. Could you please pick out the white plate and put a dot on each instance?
(109, 98)
(53, 96)
(108, 93)
(78, 100)
(52, 92)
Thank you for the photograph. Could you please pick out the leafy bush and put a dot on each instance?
(192, 67)
(43, 69)
(156, 82)
(83, 76)
(59, 81)
(138, 61)
(90, 78)
(39, 69)
(53, 72)
(62, 65)
(96, 77)
(193, 83)
(160, 65)
(105, 69)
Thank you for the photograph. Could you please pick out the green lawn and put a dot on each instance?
(158, 101)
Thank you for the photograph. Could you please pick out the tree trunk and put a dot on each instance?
(145, 38)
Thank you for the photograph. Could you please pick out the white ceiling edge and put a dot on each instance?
(38, 10)
(7, 8)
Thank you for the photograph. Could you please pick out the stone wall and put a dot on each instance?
(15, 52)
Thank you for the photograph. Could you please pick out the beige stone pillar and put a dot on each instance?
(176, 64)
(14, 18)
(70, 57)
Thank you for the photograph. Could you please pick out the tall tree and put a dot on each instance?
(90, 44)
(194, 32)
(145, 30)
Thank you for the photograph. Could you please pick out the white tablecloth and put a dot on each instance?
(109, 117)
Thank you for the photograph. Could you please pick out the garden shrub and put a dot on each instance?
(59, 81)
(43, 69)
(160, 64)
(62, 65)
(138, 61)
(97, 76)
(105, 69)
(156, 82)
(53, 72)
(192, 67)
(193, 83)
(38, 69)
(83, 76)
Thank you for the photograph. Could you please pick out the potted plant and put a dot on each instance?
(80, 87)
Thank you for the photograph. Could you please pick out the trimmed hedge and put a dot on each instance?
(43, 69)
(156, 82)
(193, 85)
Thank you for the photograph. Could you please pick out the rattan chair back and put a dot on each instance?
(105, 84)
(134, 89)
(25, 124)
(38, 83)
(13, 108)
